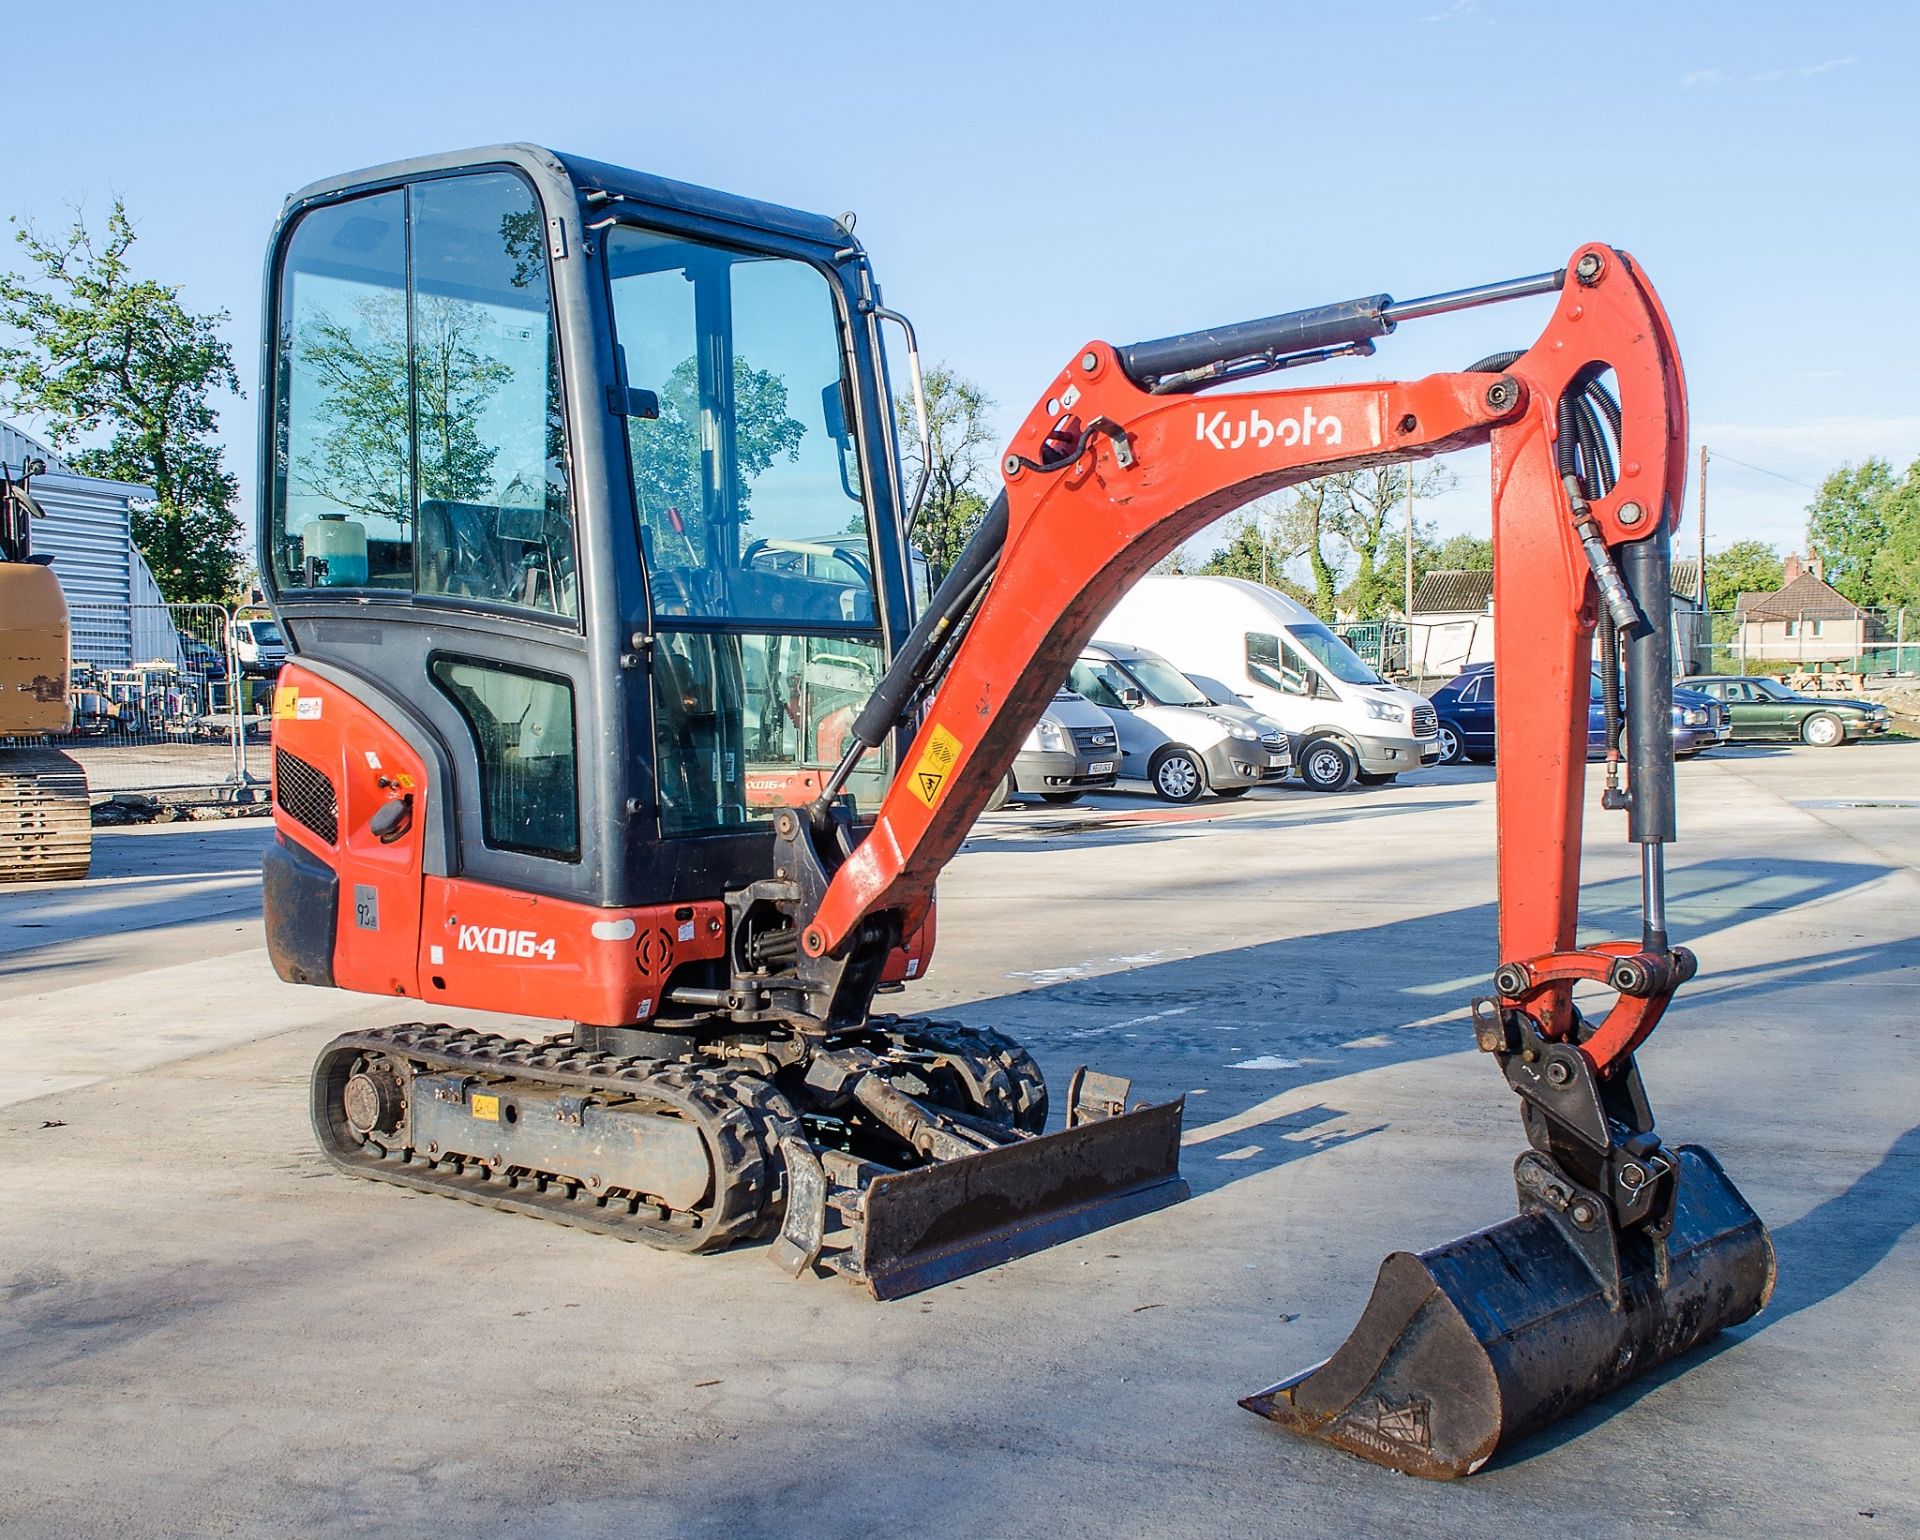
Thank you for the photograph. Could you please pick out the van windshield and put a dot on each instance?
(1164, 684)
(1334, 655)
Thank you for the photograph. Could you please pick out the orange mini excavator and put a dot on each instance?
(610, 702)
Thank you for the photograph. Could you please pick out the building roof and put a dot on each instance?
(1806, 597)
(1457, 592)
(18, 446)
(1444, 592)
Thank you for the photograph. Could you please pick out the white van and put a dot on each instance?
(1345, 721)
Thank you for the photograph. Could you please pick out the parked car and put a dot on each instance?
(202, 658)
(1764, 709)
(1170, 735)
(1073, 749)
(1464, 705)
(1346, 722)
(259, 647)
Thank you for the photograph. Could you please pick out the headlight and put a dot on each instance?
(1694, 716)
(1384, 711)
(1052, 738)
(1235, 729)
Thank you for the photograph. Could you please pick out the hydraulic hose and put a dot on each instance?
(926, 647)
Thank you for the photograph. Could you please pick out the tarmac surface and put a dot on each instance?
(205, 1331)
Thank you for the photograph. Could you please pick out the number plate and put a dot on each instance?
(1275, 761)
(1105, 767)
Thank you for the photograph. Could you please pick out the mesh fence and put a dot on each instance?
(162, 700)
(1870, 646)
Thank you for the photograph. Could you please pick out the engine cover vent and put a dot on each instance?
(305, 795)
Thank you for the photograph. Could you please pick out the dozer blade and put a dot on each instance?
(916, 1229)
(1470, 1346)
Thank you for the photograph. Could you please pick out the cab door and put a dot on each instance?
(420, 534)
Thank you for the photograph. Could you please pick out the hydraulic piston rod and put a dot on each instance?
(1279, 338)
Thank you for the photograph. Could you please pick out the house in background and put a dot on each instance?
(1451, 624)
(119, 617)
(1804, 620)
(1452, 621)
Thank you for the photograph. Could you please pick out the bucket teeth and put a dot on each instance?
(1470, 1346)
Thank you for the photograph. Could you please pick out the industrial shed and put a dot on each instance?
(118, 614)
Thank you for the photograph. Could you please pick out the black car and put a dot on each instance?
(1464, 705)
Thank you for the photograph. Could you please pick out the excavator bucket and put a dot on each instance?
(1470, 1346)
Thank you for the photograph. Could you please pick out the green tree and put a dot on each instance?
(361, 460)
(1261, 541)
(959, 466)
(1746, 566)
(1847, 525)
(123, 376)
(668, 468)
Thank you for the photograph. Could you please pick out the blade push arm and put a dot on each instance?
(1106, 476)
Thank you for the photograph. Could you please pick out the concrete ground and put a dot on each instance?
(205, 1331)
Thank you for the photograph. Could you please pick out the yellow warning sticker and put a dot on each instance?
(487, 1107)
(935, 765)
(286, 703)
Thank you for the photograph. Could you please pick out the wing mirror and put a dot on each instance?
(1133, 699)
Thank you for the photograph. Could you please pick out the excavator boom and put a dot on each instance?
(1625, 1253)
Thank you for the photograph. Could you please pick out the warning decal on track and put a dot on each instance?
(935, 765)
(487, 1107)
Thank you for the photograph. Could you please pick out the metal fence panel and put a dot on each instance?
(1878, 643)
(158, 698)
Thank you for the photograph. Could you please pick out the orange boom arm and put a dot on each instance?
(1104, 478)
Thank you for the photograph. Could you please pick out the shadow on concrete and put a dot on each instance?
(1821, 1254)
(1236, 1030)
(1079, 832)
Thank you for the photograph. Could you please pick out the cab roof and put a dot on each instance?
(589, 177)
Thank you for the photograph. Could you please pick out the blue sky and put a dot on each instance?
(1029, 177)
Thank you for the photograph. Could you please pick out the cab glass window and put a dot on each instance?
(419, 442)
(739, 434)
(522, 726)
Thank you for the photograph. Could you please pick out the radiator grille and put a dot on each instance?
(1426, 721)
(1085, 738)
(305, 795)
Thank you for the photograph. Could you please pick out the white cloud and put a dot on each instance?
(1828, 66)
(1458, 8)
(1767, 77)
(1709, 77)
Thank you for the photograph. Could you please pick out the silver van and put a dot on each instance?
(1072, 750)
(1171, 736)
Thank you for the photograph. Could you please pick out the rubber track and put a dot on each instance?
(1007, 1085)
(46, 819)
(740, 1117)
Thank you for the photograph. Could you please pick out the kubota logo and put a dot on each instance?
(1224, 432)
(497, 942)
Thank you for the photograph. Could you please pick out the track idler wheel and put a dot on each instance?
(1466, 1348)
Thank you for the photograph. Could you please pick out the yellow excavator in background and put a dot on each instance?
(45, 814)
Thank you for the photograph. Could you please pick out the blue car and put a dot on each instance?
(1464, 705)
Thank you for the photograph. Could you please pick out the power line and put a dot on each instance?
(1716, 454)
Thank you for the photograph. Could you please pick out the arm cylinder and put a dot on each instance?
(1645, 565)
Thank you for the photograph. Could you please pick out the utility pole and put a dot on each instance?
(1407, 613)
(1703, 528)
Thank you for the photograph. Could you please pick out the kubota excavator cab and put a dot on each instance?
(583, 519)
